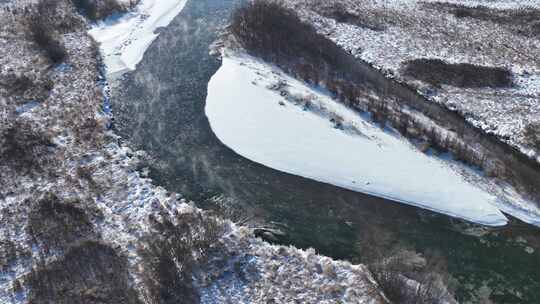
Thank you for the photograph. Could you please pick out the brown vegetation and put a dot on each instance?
(23, 146)
(404, 276)
(43, 30)
(99, 9)
(20, 88)
(532, 135)
(524, 21)
(275, 33)
(90, 273)
(56, 225)
(173, 253)
(437, 72)
(404, 281)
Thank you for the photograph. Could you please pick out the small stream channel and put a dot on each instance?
(160, 108)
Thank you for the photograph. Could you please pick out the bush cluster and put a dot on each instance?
(437, 72)
(406, 283)
(90, 272)
(57, 224)
(22, 89)
(9, 253)
(174, 253)
(532, 135)
(269, 30)
(524, 21)
(98, 9)
(43, 32)
(23, 147)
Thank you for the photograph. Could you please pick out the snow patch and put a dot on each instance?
(125, 39)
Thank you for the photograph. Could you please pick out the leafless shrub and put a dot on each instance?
(98, 9)
(56, 224)
(89, 273)
(21, 84)
(42, 29)
(89, 131)
(532, 135)
(173, 253)
(86, 173)
(437, 72)
(228, 208)
(406, 282)
(22, 88)
(275, 33)
(23, 146)
(524, 21)
(404, 276)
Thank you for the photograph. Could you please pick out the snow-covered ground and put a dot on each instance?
(124, 39)
(264, 126)
(413, 29)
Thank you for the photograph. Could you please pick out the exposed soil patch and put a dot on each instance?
(437, 72)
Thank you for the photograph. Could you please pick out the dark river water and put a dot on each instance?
(160, 108)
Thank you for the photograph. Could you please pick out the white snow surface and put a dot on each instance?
(124, 39)
(261, 125)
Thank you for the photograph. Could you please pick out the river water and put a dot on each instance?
(160, 108)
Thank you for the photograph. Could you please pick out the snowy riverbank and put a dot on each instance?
(124, 39)
(263, 126)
